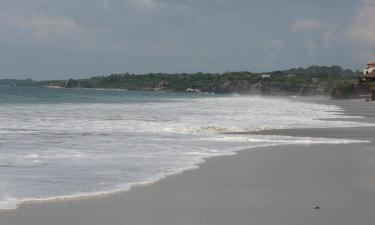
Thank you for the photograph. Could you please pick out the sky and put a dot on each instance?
(54, 39)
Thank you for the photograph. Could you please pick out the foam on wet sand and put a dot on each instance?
(269, 185)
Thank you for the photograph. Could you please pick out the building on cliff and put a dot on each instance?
(369, 72)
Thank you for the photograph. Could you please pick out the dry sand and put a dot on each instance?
(278, 185)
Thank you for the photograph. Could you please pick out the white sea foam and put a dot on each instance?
(7, 203)
(59, 151)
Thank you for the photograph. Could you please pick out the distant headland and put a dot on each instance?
(313, 80)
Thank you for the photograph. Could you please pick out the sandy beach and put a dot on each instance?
(279, 185)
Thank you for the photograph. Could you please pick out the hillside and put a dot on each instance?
(352, 90)
(314, 80)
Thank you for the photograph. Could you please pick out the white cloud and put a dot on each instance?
(39, 27)
(305, 24)
(329, 34)
(146, 2)
(362, 27)
(309, 40)
(44, 27)
(160, 35)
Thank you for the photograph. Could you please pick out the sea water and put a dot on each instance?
(62, 143)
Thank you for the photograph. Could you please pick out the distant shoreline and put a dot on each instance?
(331, 81)
(298, 81)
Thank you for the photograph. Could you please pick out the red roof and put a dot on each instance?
(371, 64)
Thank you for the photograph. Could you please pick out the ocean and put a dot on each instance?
(69, 143)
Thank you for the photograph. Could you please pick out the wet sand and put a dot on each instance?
(273, 185)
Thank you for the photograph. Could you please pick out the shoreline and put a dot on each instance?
(119, 191)
(125, 188)
(104, 194)
(42, 209)
(196, 166)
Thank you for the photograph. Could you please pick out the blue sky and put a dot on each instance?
(54, 39)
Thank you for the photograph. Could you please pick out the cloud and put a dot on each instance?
(167, 35)
(361, 32)
(309, 39)
(43, 27)
(37, 26)
(329, 34)
(362, 27)
(306, 24)
(145, 2)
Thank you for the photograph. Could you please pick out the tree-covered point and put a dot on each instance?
(311, 80)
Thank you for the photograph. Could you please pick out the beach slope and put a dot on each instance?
(281, 185)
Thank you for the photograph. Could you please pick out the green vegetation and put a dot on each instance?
(314, 80)
(297, 81)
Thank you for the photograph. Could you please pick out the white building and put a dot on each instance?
(369, 69)
(265, 76)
